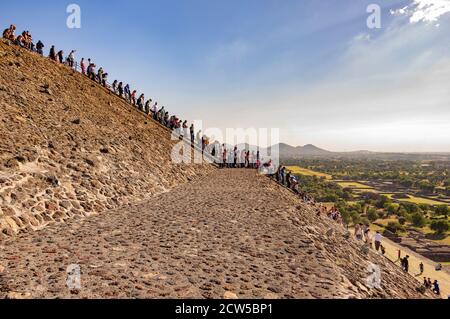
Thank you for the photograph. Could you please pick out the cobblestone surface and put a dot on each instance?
(230, 234)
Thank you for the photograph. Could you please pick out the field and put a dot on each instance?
(420, 200)
(346, 185)
(354, 185)
(307, 172)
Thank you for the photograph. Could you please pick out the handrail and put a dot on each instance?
(77, 67)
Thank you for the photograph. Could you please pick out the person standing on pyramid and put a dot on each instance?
(61, 56)
(52, 54)
(40, 48)
(71, 58)
(127, 93)
(224, 156)
(147, 106)
(140, 102)
(83, 66)
(120, 89)
(154, 110)
(133, 98)
(192, 132)
(114, 86)
(100, 75)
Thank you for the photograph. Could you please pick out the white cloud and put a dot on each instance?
(424, 10)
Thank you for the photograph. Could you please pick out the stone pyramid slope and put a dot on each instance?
(73, 149)
(232, 234)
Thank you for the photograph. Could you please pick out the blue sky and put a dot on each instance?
(311, 68)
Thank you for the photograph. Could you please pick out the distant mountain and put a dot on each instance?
(312, 150)
(287, 150)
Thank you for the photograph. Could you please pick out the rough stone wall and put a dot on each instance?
(68, 148)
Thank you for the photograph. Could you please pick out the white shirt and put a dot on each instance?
(378, 237)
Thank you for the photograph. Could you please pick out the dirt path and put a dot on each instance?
(230, 234)
(415, 259)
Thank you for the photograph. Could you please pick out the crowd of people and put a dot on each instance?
(236, 158)
(24, 40)
(285, 177)
(433, 286)
(89, 69)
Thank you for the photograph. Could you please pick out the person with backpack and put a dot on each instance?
(140, 102)
(40, 48)
(127, 93)
(71, 58)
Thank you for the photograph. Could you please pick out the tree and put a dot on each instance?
(356, 218)
(424, 207)
(372, 214)
(394, 227)
(411, 208)
(442, 210)
(418, 220)
(345, 216)
(391, 208)
(447, 182)
(406, 182)
(426, 186)
(382, 201)
(439, 226)
(365, 221)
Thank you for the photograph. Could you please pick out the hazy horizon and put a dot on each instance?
(317, 73)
